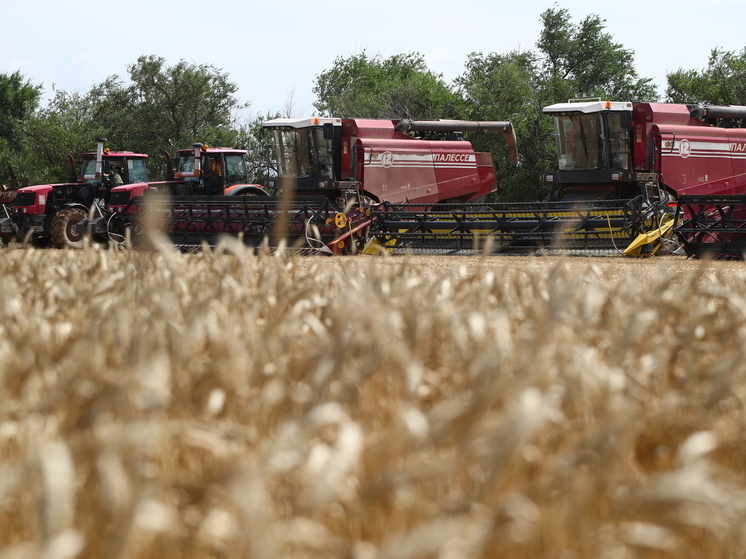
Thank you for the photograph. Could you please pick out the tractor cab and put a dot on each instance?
(211, 171)
(97, 179)
(117, 168)
(594, 145)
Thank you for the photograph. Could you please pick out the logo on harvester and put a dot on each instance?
(452, 157)
(685, 148)
(387, 159)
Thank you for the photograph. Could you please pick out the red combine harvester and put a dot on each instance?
(331, 172)
(626, 172)
(50, 211)
(679, 161)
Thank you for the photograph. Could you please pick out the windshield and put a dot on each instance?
(89, 169)
(235, 167)
(186, 165)
(619, 144)
(303, 152)
(579, 141)
(136, 170)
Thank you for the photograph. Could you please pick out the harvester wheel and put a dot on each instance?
(61, 228)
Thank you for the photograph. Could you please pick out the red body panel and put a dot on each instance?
(41, 196)
(136, 189)
(691, 156)
(702, 160)
(394, 167)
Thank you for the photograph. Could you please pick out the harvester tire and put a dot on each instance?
(61, 234)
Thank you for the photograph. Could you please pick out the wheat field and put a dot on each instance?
(232, 405)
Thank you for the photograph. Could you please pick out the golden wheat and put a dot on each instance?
(226, 404)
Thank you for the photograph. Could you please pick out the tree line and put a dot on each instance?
(162, 108)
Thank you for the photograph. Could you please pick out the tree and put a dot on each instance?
(165, 108)
(569, 61)
(397, 87)
(722, 82)
(584, 61)
(506, 87)
(67, 125)
(18, 100)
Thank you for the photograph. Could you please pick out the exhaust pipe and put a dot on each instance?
(406, 126)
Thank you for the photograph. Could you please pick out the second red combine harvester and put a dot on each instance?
(683, 165)
(626, 172)
(331, 172)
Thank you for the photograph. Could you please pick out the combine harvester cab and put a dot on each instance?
(331, 174)
(51, 212)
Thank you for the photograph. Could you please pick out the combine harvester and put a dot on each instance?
(332, 173)
(624, 174)
(658, 175)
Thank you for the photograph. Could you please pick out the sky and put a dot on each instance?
(273, 50)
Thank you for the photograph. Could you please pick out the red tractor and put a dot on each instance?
(50, 211)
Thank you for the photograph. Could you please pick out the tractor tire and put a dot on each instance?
(60, 230)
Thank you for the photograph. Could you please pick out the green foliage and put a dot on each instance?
(165, 108)
(67, 125)
(584, 61)
(722, 82)
(18, 100)
(505, 87)
(397, 87)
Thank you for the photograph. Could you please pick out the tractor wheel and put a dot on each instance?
(61, 233)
